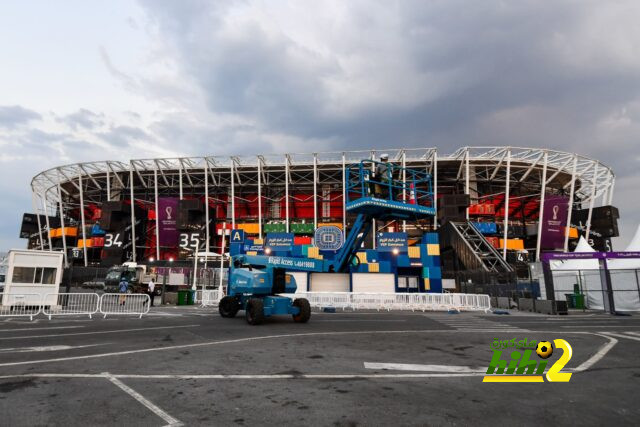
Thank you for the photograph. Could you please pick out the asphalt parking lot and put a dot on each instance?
(188, 366)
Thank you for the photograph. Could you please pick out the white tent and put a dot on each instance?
(631, 263)
(578, 264)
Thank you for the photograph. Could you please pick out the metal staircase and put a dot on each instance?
(473, 250)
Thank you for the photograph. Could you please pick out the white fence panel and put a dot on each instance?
(71, 304)
(23, 305)
(396, 301)
(135, 304)
(210, 298)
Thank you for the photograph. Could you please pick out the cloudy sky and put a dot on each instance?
(94, 80)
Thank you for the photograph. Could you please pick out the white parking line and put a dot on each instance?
(98, 332)
(265, 337)
(612, 334)
(39, 329)
(449, 369)
(598, 355)
(146, 402)
(46, 348)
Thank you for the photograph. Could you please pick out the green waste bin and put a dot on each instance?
(191, 297)
(183, 297)
(579, 300)
(571, 300)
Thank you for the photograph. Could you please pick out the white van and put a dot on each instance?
(32, 275)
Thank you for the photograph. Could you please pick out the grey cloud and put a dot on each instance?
(12, 116)
(83, 119)
(121, 136)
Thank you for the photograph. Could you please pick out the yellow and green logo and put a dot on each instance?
(521, 368)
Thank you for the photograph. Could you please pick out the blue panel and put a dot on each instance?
(385, 267)
(431, 261)
(328, 254)
(297, 251)
(279, 241)
(235, 249)
(436, 286)
(430, 238)
(237, 236)
(372, 255)
(403, 261)
(486, 227)
(435, 273)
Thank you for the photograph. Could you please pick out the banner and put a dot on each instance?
(388, 241)
(554, 222)
(167, 220)
(279, 241)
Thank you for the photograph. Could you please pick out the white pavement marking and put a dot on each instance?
(634, 333)
(357, 320)
(114, 331)
(246, 376)
(445, 369)
(146, 402)
(600, 326)
(46, 348)
(612, 334)
(39, 329)
(598, 355)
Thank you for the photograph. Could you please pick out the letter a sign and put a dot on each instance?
(237, 236)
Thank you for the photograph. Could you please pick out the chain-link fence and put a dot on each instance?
(625, 286)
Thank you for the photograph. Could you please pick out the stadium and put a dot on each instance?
(497, 208)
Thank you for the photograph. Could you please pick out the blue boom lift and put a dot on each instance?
(391, 193)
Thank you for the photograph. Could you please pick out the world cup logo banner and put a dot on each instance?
(554, 222)
(166, 219)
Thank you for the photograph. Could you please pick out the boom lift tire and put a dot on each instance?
(228, 307)
(255, 311)
(305, 310)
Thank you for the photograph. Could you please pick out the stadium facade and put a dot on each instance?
(522, 200)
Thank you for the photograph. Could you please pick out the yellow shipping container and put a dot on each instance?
(414, 251)
(433, 250)
(313, 252)
(513, 244)
(427, 285)
(249, 227)
(374, 267)
(362, 256)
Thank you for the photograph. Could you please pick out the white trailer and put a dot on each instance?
(32, 275)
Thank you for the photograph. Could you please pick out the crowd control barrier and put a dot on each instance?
(396, 301)
(20, 305)
(135, 304)
(71, 304)
(210, 298)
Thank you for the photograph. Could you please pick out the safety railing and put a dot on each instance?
(134, 304)
(20, 305)
(396, 301)
(210, 298)
(70, 304)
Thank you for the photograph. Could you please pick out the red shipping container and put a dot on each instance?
(302, 240)
(98, 242)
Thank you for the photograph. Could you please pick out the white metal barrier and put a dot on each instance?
(210, 298)
(71, 304)
(22, 305)
(136, 304)
(397, 301)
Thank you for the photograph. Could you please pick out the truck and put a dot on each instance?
(257, 282)
(135, 274)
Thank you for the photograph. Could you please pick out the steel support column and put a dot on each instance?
(570, 210)
(43, 199)
(344, 194)
(435, 188)
(542, 199)
(506, 204)
(37, 210)
(286, 191)
(467, 188)
(64, 236)
(82, 222)
(155, 194)
(233, 197)
(207, 237)
(592, 200)
(133, 215)
(260, 198)
(315, 190)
